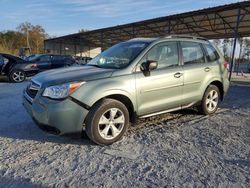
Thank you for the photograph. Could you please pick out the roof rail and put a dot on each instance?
(143, 38)
(186, 36)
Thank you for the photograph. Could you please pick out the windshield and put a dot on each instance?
(32, 57)
(119, 55)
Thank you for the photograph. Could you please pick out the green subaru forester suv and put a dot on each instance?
(137, 78)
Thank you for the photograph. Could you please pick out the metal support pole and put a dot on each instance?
(235, 40)
(101, 41)
(133, 31)
(80, 47)
(89, 50)
(75, 49)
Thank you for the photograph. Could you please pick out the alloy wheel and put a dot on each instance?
(111, 123)
(212, 100)
(18, 76)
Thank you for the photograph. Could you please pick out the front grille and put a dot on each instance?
(31, 92)
(32, 89)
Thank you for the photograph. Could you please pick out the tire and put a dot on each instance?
(103, 127)
(17, 76)
(210, 100)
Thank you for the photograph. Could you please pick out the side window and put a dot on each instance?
(58, 58)
(3, 60)
(192, 53)
(212, 54)
(165, 53)
(45, 58)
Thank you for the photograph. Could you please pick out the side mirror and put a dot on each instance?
(148, 66)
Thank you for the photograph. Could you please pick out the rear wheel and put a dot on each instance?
(210, 100)
(17, 76)
(107, 121)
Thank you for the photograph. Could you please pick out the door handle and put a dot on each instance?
(177, 75)
(207, 69)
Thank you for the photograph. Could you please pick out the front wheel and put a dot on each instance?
(17, 76)
(107, 121)
(210, 100)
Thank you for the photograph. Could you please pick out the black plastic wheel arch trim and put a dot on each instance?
(85, 106)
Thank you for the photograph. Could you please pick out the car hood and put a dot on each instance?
(71, 74)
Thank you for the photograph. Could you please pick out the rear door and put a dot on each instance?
(57, 61)
(162, 89)
(196, 71)
(44, 62)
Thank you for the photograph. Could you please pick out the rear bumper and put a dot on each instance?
(56, 117)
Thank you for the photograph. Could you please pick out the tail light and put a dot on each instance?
(226, 65)
(34, 66)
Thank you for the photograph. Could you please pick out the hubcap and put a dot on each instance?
(18, 76)
(111, 123)
(212, 100)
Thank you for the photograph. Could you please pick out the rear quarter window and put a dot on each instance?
(212, 54)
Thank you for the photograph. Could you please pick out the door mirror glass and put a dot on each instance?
(152, 65)
(148, 66)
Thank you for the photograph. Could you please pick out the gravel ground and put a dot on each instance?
(172, 150)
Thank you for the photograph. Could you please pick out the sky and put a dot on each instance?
(62, 17)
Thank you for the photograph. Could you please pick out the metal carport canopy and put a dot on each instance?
(212, 23)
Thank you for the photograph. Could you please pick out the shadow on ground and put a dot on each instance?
(18, 182)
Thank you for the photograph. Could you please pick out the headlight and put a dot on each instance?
(61, 91)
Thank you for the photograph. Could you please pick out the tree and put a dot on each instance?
(27, 35)
(10, 41)
(35, 35)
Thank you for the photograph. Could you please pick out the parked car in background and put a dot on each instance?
(82, 60)
(15, 68)
(49, 61)
(136, 78)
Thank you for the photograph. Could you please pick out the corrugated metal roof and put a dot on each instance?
(212, 23)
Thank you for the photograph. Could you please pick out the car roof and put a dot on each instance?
(143, 39)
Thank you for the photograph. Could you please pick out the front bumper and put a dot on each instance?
(57, 117)
(31, 72)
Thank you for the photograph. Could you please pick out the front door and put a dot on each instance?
(162, 89)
